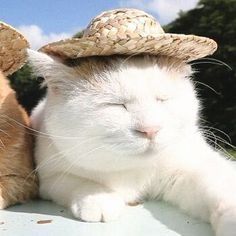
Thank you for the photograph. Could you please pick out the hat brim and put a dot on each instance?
(186, 47)
(12, 49)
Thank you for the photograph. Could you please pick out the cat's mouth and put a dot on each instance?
(150, 149)
(143, 148)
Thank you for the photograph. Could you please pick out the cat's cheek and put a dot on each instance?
(102, 207)
(227, 224)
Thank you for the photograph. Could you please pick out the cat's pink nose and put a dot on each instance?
(148, 132)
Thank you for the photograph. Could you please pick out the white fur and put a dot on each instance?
(90, 159)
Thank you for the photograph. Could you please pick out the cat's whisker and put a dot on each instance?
(209, 60)
(204, 120)
(220, 131)
(217, 144)
(59, 155)
(71, 165)
(217, 138)
(206, 131)
(39, 133)
(220, 148)
(2, 144)
(211, 138)
(50, 159)
(206, 62)
(24, 126)
(2, 131)
(207, 86)
(64, 152)
(209, 135)
(5, 119)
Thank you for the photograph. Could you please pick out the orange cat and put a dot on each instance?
(17, 183)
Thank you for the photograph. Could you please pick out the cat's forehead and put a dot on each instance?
(146, 80)
(137, 84)
(132, 74)
(90, 67)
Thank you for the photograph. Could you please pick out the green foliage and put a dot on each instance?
(79, 34)
(27, 87)
(215, 19)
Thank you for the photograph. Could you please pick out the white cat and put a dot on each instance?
(115, 131)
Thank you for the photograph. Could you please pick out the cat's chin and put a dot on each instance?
(150, 151)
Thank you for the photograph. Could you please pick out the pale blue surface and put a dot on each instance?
(152, 218)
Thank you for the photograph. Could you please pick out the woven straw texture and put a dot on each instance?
(130, 32)
(12, 49)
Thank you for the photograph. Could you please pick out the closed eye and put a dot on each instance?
(117, 104)
(162, 99)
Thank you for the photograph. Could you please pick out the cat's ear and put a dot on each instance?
(44, 65)
(51, 69)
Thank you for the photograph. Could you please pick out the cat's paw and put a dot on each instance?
(227, 224)
(102, 207)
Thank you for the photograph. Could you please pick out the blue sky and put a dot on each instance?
(43, 21)
(51, 15)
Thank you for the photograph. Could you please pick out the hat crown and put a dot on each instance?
(123, 23)
(130, 32)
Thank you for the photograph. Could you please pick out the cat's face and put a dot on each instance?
(133, 109)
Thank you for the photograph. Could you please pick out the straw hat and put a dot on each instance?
(130, 31)
(12, 49)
